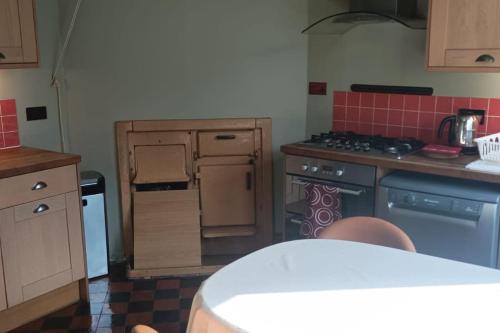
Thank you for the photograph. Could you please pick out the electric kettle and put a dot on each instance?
(463, 129)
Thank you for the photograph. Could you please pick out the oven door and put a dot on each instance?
(356, 201)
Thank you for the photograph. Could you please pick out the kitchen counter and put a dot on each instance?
(416, 162)
(22, 160)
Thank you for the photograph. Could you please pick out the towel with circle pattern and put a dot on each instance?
(323, 207)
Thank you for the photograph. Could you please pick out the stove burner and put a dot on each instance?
(366, 143)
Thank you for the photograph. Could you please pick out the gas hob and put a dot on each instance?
(364, 144)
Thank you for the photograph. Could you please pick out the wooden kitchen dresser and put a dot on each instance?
(42, 262)
(195, 194)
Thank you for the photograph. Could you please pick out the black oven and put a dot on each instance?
(354, 181)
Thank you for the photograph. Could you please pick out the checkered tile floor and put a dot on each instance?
(117, 304)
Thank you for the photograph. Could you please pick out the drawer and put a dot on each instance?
(37, 185)
(473, 58)
(226, 143)
(39, 208)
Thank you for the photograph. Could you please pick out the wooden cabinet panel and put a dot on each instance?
(227, 195)
(229, 143)
(35, 239)
(37, 185)
(166, 229)
(3, 297)
(463, 34)
(10, 32)
(18, 43)
(160, 164)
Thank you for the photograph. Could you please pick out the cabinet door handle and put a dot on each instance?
(249, 181)
(41, 208)
(486, 58)
(39, 186)
(225, 137)
(2, 56)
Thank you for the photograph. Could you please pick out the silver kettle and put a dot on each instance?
(463, 128)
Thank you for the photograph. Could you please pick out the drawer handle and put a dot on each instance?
(2, 56)
(39, 186)
(486, 58)
(226, 137)
(41, 208)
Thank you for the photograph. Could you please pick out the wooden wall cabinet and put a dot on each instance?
(463, 35)
(42, 263)
(18, 42)
(206, 198)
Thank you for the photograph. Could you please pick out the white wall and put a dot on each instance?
(378, 54)
(161, 59)
(31, 87)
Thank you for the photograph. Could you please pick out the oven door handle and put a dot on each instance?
(341, 190)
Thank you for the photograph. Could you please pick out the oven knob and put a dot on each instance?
(314, 169)
(339, 173)
(304, 167)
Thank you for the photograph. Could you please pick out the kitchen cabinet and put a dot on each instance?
(18, 42)
(227, 194)
(463, 35)
(42, 266)
(206, 198)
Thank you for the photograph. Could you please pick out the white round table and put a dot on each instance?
(340, 286)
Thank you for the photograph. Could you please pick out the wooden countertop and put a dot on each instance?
(18, 161)
(413, 162)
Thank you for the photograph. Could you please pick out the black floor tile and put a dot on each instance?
(54, 323)
(167, 293)
(140, 306)
(165, 316)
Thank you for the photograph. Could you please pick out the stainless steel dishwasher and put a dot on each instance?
(445, 217)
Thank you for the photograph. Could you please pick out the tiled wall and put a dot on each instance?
(9, 134)
(406, 115)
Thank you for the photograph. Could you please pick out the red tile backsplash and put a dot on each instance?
(406, 115)
(9, 131)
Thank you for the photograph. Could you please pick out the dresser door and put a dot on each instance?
(40, 246)
(227, 195)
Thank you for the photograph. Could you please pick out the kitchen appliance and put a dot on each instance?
(94, 221)
(445, 217)
(410, 13)
(375, 145)
(355, 183)
(463, 129)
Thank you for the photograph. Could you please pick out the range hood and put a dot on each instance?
(410, 13)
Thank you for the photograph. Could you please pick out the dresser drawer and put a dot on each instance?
(226, 143)
(37, 185)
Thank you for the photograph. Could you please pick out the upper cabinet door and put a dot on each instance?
(463, 35)
(18, 45)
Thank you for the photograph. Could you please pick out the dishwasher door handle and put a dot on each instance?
(408, 213)
(341, 190)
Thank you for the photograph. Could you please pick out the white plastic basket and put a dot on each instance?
(489, 147)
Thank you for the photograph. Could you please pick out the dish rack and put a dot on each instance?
(489, 147)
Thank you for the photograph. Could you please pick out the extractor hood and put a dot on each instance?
(410, 13)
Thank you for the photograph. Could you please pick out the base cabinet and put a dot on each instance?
(195, 194)
(42, 263)
(36, 248)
